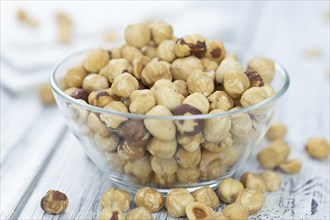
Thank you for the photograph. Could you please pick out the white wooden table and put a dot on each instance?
(39, 153)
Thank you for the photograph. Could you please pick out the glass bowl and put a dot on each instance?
(137, 154)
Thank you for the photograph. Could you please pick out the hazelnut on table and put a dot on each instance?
(253, 181)
(291, 166)
(46, 95)
(116, 198)
(276, 131)
(229, 189)
(138, 214)
(272, 180)
(236, 211)
(149, 198)
(274, 154)
(54, 202)
(198, 211)
(318, 148)
(176, 202)
(252, 199)
(111, 213)
(207, 196)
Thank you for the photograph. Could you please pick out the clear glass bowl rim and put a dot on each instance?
(67, 98)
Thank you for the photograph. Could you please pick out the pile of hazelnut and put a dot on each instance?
(155, 73)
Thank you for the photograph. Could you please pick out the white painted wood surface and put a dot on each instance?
(39, 153)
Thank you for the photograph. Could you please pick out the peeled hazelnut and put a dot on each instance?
(138, 214)
(198, 211)
(214, 170)
(220, 100)
(101, 98)
(199, 81)
(216, 128)
(74, 76)
(150, 51)
(191, 143)
(116, 164)
(274, 154)
(188, 175)
(135, 133)
(114, 68)
(111, 213)
(124, 85)
(165, 51)
(291, 166)
(138, 65)
(137, 35)
(187, 127)
(215, 51)
(276, 131)
(241, 125)
(199, 101)
(115, 53)
(94, 82)
(181, 87)
(116, 198)
(141, 101)
(129, 52)
(163, 166)
(46, 95)
(272, 180)
(108, 144)
(160, 31)
(168, 97)
(264, 67)
(207, 196)
(182, 67)
(96, 59)
(208, 157)
(270, 91)
(230, 65)
(161, 129)
(97, 125)
(155, 70)
(209, 65)
(139, 167)
(164, 181)
(218, 216)
(111, 120)
(163, 83)
(177, 200)
(162, 149)
(220, 146)
(190, 45)
(255, 78)
(188, 159)
(229, 189)
(236, 211)
(54, 202)
(128, 152)
(149, 198)
(253, 181)
(253, 96)
(318, 148)
(231, 155)
(77, 93)
(252, 199)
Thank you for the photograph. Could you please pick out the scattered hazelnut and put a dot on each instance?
(182, 67)
(272, 180)
(163, 166)
(177, 200)
(264, 67)
(168, 97)
(276, 131)
(274, 154)
(229, 189)
(253, 96)
(111, 120)
(220, 146)
(54, 202)
(216, 128)
(116, 198)
(162, 149)
(253, 181)
(138, 65)
(124, 84)
(252, 199)
(114, 68)
(236, 211)
(215, 51)
(137, 35)
(141, 101)
(138, 214)
(95, 60)
(318, 148)
(188, 175)
(149, 198)
(165, 51)
(101, 98)
(220, 100)
(291, 166)
(187, 127)
(255, 78)
(199, 81)
(191, 143)
(198, 211)
(139, 167)
(154, 71)
(190, 45)
(188, 159)
(46, 95)
(94, 82)
(160, 31)
(111, 213)
(199, 101)
(181, 87)
(74, 77)
(206, 196)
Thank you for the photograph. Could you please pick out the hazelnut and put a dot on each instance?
(97, 125)
(231, 155)
(272, 180)
(215, 51)
(165, 51)
(54, 202)
(220, 146)
(199, 81)
(162, 149)
(177, 200)
(130, 53)
(182, 67)
(116, 198)
(214, 170)
(141, 101)
(208, 157)
(163, 83)
(128, 152)
(216, 128)
(218, 216)
(138, 65)
(77, 93)
(220, 100)
(111, 213)
(94, 82)
(161, 129)
(138, 214)
(255, 78)
(160, 31)
(108, 144)
(274, 154)
(181, 87)
(209, 65)
(188, 175)
(188, 159)
(291, 166)
(116, 164)
(318, 148)
(111, 120)
(101, 98)
(168, 97)
(253, 181)
(264, 67)
(198, 211)
(190, 45)
(235, 81)
(229, 65)
(115, 53)
(74, 76)
(164, 181)
(114, 68)
(270, 91)
(150, 51)
(236, 211)
(124, 85)
(191, 143)
(154, 71)
(95, 60)
(252, 199)
(241, 125)
(198, 101)
(137, 35)
(135, 133)
(163, 166)
(187, 127)
(149, 198)
(229, 189)
(46, 95)
(253, 96)
(206, 196)
(139, 167)
(276, 131)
